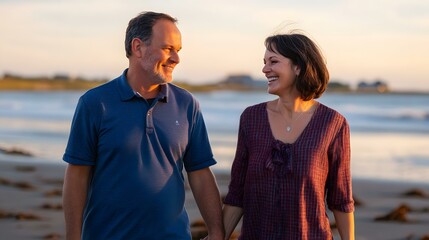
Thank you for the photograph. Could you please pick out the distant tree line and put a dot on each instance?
(238, 82)
(43, 83)
(57, 76)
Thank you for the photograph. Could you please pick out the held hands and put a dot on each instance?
(212, 238)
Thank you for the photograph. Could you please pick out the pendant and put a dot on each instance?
(288, 129)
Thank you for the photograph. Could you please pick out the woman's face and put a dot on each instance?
(280, 73)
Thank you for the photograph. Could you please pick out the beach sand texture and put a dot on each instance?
(30, 205)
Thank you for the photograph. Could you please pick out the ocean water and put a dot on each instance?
(389, 132)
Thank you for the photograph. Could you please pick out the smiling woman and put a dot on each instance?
(292, 151)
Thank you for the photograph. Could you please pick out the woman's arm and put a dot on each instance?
(231, 217)
(340, 197)
(345, 224)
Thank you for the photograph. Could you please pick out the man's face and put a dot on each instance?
(162, 55)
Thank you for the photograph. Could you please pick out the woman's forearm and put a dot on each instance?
(231, 217)
(346, 224)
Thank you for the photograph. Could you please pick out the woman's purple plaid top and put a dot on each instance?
(282, 187)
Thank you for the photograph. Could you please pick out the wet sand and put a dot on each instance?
(30, 205)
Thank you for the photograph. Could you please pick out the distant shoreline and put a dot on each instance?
(46, 84)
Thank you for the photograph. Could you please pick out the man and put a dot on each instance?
(129, 141)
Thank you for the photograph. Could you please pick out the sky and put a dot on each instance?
(360, 39)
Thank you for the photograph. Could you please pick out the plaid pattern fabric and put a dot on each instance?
(284, 188)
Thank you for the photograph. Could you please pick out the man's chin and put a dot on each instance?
(164, 79)
(168, 79)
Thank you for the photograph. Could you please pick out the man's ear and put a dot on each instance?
(137, 47)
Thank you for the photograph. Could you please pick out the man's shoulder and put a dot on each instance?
(102, 95)
(104, 89)
(178, 90)
(180, 94)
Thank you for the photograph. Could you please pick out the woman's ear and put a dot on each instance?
(296, 69)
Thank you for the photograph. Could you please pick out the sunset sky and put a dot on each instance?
(361, 39)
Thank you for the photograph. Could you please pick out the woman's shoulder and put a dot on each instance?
(328, 110)
(256, 108)
(328, 113)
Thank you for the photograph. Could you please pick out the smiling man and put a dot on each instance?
(129, 142)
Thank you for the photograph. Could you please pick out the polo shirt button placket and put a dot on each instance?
(149, 122)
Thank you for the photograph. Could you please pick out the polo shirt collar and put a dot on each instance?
(127, 93)
(163, 93)
(124, 88)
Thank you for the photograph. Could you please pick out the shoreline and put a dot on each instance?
(30, 204)
(211, 88)
(65, 83)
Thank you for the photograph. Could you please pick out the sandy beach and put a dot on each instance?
(30, 205)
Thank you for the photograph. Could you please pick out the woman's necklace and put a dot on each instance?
(290, 125)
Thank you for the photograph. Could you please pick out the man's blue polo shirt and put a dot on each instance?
(138, 152)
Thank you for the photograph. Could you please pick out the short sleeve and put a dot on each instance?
(198, 154)
(239, 168)
(339, 185)
(82, 144)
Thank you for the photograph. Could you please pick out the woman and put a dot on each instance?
(292, 153)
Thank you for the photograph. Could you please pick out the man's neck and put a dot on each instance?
(144, 88)
(150, 92)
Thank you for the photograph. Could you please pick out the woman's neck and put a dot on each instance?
(292, 106)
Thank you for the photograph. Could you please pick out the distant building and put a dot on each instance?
(336, 86)
(11, 75)
(61, 76)
(377, 86)
(239, 79)
(243, 81)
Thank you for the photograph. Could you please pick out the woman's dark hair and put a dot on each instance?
(303, 52)
(141, 27)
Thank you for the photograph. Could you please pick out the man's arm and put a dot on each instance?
(76, 180)
(345, 224)
(206, 194)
